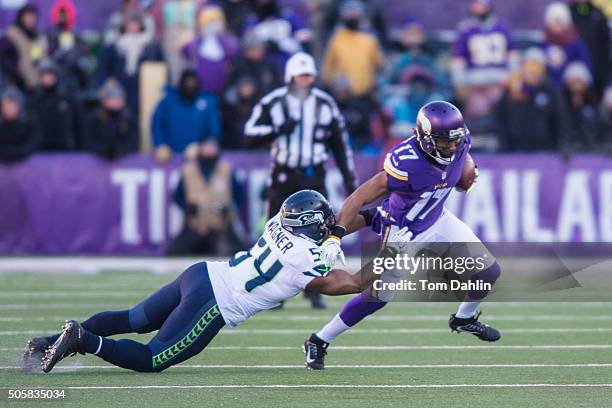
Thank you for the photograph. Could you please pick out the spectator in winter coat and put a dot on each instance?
(563, 45)
(282, 30)
(581, 103)
(213, 51)
(122, 59)
(184, 117)
(66, 48)
(484, 55)
(19, 134)
(531, 115)
(55, 110)
(111, 131)
(592, 25)
(236, 109)
(21, 48)
(255, 64)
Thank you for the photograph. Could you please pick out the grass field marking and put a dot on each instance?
(45, 306)
(398, 318)
(293, 305)
(345, 366)
(404, 347)
(437, 317)
(27, 294)
(362, 331)
(426, 330)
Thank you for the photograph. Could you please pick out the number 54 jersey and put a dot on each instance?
(277, 267)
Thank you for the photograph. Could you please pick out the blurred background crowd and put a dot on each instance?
(166, 74)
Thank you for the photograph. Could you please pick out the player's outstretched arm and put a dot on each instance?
(349, 220)
(339, 282)
(367, 193)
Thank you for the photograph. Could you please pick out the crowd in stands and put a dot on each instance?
(62, 92)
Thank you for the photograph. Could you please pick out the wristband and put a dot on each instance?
(338, 231)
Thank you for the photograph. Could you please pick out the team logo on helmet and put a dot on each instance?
(305, 218)
(311, 217)
(425, 123)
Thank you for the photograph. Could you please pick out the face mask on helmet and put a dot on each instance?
(441, 135)
(308, 215)
(311, 225)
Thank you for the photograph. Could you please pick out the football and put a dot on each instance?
(468, 175)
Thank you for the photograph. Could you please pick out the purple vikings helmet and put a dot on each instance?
(440, 120)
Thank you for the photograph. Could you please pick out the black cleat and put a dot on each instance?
(315, 350)
(70, 342)
(34, 353)
(472, 325)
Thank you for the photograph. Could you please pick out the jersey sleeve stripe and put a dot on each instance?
(393, 170)
(311, 274)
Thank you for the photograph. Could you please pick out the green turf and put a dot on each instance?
(36, 304)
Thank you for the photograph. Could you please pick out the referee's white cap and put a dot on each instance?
(299, 64)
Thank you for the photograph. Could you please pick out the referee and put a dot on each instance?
(302, 123)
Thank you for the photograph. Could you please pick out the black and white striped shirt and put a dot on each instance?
(316, 125)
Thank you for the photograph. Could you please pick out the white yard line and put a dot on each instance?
(331, 305)
(46, 306)
(313, 386)
(427, 318)
(371, 331)
(348, 366)
(398, 318)
(105, 293)
(404, 347)
(92, 265)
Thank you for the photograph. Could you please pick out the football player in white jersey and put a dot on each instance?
(189, 312)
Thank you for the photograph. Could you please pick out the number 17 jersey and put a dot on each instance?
(418, 187)
(276, 268)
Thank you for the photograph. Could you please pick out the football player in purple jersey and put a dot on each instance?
(418, 176)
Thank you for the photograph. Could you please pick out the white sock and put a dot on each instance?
(99, 345)
(332, 329)
(467, 310)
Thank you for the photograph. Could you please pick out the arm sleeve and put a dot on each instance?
(341, 149)
(302, 279)
(307, 266)
(259, 129)
(397, 177)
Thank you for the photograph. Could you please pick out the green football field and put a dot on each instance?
(550, 355)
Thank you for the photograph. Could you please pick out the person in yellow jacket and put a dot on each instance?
(352, 53)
